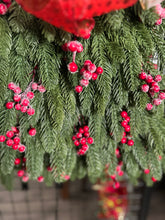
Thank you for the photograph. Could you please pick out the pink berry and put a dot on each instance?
(149, 106)
(99, 70)
(79, 135)
(21, 148)
(15, 146)
(92, 67)
(86, 128)
(17, 161)
(84, 82)
(74, 138)
(124, 123)
(146, 171)
(32, 132)
(23, 109)
(76, 143)
(3, 9)
(86, 134)
(34, 86)
(30, 111)
(145, 88)
(149, 79)
(130, 143)
(72, 46)
(87, 75)
(142, 75)
(79, 48)
(66, 177)
(160, 157)
(2, 138)
(158, 78)
(16, 140)
(72, 67)
(25, 179)
(153, 179)
(41, 89)
(17, 98)
(30, 95)
(11, 86)
(156, 89)
(83, 141)
(9, 142)
(123, 140)
(18, 107)
(40, 179)
(162, 95)
(25, 102)
(90, 140)
(127, 128)
(78, 89)
(9, 134)
(87, 63)
(157, 101)
(123, 114)
(17, 90)
(9, 105)
(94, 76)
(85, 147)
(81, 130)
(20, 173)
(159, 21)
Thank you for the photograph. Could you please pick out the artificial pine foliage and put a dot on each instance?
(122, 43)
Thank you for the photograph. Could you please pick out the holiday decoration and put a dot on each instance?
(76, 18)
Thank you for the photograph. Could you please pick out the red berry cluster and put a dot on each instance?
(89, 71)
(22, 172)
(152, 88)
(13, 140)
(81, 139)
(22, 100)
(4, 6)
(126, 134)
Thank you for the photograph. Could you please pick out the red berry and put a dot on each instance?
(49, 169)
(156, 88)
(81, 130)
(74, 138)
(30, 111)
(76, 143)
(11, 86)
(92, 67)
(82, 71)
(124, 123)
(17, 98)
(9, 105)
(86, 128)
(16, 140)
(87, 36)
(72, 67)
(146, 171)
(120, 173)
(41, 89)
(17, 90)
(94, 76)
(87, 75)
(25, 102)
(84, 82)
(130, 143)
(18, 107)
(83, 141)
(23, 109)
(90, 140)
(9, 142)
(123, 140)
(34, 86)
(15, 146)
(79, 135)
(78, 89)
(99, 70)
(7, 1)
(65, 47)
(21, 148)
(24, 159)
(160, 157)
(127, 128)
(145, 88)
(30, 95)
(9, 134)
(17, 161)
(123, 114)
(157, 101)
(127, 118)
(142, 75)
(158, 78)
(85, 147)
(3, 9)
(117, 185)
(32, 132)
(25, 178)
(20, 173)
(79, 47)
(86, 134)
(113, 176)
(87, 63)
(149, 106)
(149, 79)
(72, 46)
(40, 179)
(2, 138)
(15, 130)
(124, 134)
(153, 179)
(159, 21)
(162, 95)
